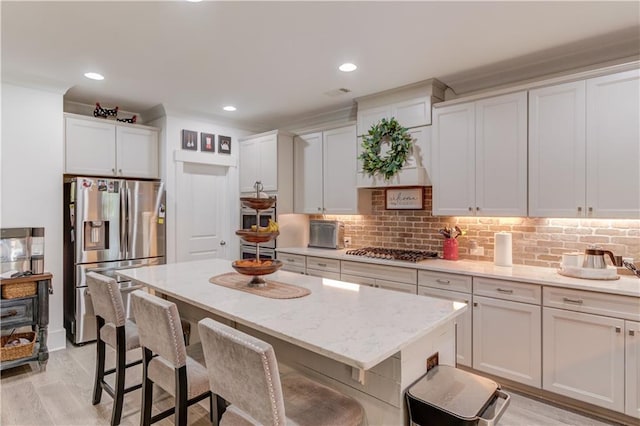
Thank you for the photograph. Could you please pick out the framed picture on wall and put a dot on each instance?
(224, 144)
(409, 198)
(189, 140)
(207, 142)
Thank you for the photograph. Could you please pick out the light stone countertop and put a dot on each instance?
(627, 285)
(360, 326)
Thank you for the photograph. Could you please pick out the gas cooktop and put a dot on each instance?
(394, 254)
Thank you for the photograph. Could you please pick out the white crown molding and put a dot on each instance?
(618, 47)
(322, 120)
(549, 80)
(36, 82)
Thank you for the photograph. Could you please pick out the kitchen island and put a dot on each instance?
(366, 342)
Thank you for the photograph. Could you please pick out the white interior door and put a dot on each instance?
(202, 210)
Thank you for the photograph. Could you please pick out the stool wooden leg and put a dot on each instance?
(99, 376)
(121, 361)
(147, 389)
(181, 396)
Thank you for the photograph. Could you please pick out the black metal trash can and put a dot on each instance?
(449, 396)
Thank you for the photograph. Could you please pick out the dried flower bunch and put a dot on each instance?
(454, 232)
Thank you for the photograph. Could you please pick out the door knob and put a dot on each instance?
(223, 243)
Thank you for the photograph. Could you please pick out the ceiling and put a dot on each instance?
(276, 61)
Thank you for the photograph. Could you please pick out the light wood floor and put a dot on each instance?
(62, 396)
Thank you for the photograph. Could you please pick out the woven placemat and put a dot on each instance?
(273, 289)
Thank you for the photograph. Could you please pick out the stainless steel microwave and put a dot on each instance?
(326, 234)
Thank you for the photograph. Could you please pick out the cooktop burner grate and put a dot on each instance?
(394, 254)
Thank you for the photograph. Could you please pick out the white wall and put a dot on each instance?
(31, 169)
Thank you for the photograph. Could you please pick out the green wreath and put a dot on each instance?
(385, 131)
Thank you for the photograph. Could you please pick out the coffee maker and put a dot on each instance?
(21, 251)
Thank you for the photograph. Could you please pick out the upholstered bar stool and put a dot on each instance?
(165, 359)
(115, 330)
(243, 370)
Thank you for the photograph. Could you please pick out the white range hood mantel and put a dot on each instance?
(411, 106)
(409, 176)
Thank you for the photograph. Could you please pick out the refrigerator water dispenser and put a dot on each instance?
(96, 235)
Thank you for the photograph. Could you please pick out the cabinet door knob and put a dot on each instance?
(618, 329)
(470, 209)
(223, 243)
(319, 209)
(477, 209)
(579, 209)
(113, 171)
(475, 304)
(120, 171)
(632, 332)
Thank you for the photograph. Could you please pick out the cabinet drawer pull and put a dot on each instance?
(574, 301)
(324, 265)
(475, 304)
(632, 332)
(441, 281)
(290, 259)
(618, 330)
(11, 313)
(505, 290)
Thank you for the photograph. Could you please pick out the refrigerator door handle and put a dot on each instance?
(130, 222)
(123, 220)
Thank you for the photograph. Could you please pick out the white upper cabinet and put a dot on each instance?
(557, 150)
(267, 158)
(613, 145)
(137, 152)
(479, 164)
(501, 156)
(453, 165)
(308, 174)
(325, 173)
(584, 145)
(102, 148)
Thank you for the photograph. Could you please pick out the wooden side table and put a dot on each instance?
(29, 311)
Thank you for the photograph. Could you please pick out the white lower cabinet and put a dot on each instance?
(372, 282)
(584, 357)
(292, 262)
(323, 267)
(456, 288)
(507, 339)
(381, 276)
(464, 329)
(632, 364)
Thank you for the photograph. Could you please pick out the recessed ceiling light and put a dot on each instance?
(229, 108)
(194, 1)
(347, 67)
(94, 76)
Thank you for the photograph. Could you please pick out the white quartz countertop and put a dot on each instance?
(627, 285)
(359, 326)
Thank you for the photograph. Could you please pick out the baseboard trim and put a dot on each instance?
(559, 400)
(56, 340)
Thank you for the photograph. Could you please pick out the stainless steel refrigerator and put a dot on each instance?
(109, 224)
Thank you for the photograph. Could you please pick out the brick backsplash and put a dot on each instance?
(536, 241)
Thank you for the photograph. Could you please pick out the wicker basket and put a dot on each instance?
(14, 291)
(20, 351)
